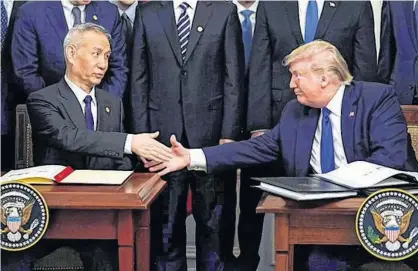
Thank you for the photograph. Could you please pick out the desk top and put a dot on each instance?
(274, 204)
(136, 193)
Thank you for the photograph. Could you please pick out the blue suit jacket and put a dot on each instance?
(372, 125)
(398, 57)
(37, 45)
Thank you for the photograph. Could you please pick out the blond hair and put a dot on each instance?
(325, 59)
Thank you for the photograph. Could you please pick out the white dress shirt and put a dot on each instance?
(8, 5)
(253, 8)
(69, 17)
(340, 159)
(190, 11)
(198, 159)
(303, 6)
(81, 95)
(130, 11)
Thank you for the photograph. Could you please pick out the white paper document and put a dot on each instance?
(361, 174)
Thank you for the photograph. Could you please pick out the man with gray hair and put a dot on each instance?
(334, 121)
(79, 125)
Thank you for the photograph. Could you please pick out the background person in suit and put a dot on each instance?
(398, 64)
(9, 100)
(40, 28)
(250, 224)
(187, 80)
(334, 121)
(79, 125)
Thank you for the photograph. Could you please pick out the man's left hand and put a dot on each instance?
(225, 140)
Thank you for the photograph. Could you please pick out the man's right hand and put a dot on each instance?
(145, 145)
(180, 159)
(257, 133)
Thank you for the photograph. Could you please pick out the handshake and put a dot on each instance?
(157, 157)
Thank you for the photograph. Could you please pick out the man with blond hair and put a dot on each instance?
(334, 121)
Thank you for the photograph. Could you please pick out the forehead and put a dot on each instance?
(299, 65)
(95, 39)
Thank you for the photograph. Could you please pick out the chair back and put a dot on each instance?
(23, 138)
(411, 115)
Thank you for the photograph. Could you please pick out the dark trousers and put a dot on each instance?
(7, 152)
(168, 237)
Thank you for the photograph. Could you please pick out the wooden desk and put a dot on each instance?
(106, 213)
(331, 223)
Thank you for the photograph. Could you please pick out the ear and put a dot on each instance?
(325, 80)
(70, 53)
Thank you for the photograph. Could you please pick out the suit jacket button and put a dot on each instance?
(411, 87)
(183, 72)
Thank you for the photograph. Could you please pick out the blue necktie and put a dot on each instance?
(77, 15)
(3, 23)
(311, 21)
(327, 143)
(88, 114)
(183, 29)
(247, 34)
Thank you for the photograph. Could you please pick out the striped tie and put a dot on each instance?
(183, 29)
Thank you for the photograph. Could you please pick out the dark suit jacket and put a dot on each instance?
(8, 100)
(398, 61)
(202, 97)
(372, 125)
(37, 44)
(60, 134)
(347, 25)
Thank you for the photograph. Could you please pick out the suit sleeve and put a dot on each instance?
(388, 135)
(127, 161)
(234, 78)
(365, 58)
(260, 72)
(139, 78)
(260, 150)
(25, 54)
(50, 126)
(116, 78)
(387, 45)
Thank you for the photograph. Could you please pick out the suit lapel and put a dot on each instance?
(71, 105)
(292, 8)
(168, 21)
(327, 14)
(57, 19)
(201, 18)
(93, 13)
(348, 117)
(305, 136)
(103, 111)
(410, 22)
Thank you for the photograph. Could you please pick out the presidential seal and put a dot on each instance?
(387, 224)
(24, 216)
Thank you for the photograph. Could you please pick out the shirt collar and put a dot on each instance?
(192, 3)
(79, 93)
(336, 102)
(66, 4)
(240, 7)
(130, 11)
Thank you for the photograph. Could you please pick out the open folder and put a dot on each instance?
(51, 174)
(349, 180)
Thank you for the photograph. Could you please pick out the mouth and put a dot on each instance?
(98, 75)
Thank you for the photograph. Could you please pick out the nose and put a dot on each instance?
(102, 63)
(292, 83)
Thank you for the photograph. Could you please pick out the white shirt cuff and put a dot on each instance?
(128, 145)
(197, 160)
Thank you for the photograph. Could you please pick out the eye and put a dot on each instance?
(95, 54)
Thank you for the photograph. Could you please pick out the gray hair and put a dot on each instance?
(81, 29)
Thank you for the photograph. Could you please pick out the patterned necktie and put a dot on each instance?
(183, 29)
(327, 143)
(127, 30)
(77, 15)
(311, 21)
(247, 34)
(88, 114)
(3, 23)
